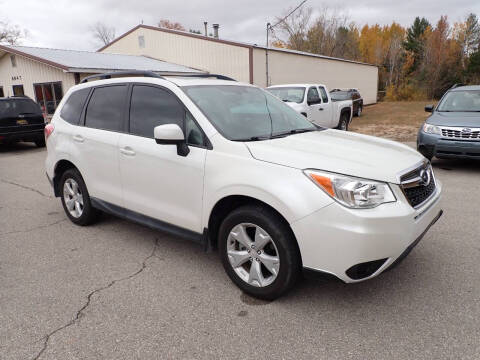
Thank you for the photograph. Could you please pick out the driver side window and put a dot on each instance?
(313, 97)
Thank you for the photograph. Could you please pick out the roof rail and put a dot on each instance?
(216, 76)
(109, 75)
(457, 85)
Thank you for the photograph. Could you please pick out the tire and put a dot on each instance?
(343, 122)
(88, 214)
(40, 143)
(359, 111)
(256, 219)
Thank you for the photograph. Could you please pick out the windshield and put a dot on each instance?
(340, 95)
(289, 94)
(15, 107)
(245, 113)
(461, 101)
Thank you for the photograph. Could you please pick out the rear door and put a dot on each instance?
(94, 146)
(328, 119)
(158, 182)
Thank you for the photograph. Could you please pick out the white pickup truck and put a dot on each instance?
(314, 102)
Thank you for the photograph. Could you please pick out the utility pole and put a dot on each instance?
(270, 27)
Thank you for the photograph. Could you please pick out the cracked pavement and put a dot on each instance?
(118, 290)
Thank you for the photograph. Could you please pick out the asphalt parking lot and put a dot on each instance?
(117, 290)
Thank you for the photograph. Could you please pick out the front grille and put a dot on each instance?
(418, 185)
(461, 133)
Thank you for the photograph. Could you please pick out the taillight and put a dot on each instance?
(48, 130)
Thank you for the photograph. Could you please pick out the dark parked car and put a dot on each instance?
(21, 119)
(349, 94)
(453, 129)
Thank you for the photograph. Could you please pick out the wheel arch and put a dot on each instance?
(60, 167)
(227, 204)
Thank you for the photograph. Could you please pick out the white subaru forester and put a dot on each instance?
(232, 167)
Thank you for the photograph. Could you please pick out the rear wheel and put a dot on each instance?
(75, 198)
(343, 122)
(359, 111)
(259, 252)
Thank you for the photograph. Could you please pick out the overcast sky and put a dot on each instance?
(65, 23)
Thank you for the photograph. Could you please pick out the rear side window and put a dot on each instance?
(151, 106)
(105, 108)
(72, 109)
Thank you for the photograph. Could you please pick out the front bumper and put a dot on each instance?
(441, 147)
(345, 242)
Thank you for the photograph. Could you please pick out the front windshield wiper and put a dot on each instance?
(292, 132)
(254, 138)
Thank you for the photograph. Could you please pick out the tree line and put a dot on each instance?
(416, 62)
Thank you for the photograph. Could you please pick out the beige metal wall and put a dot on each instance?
(287, 68)
(31, 72)
(214, 57)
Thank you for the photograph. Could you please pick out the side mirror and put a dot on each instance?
(171, 134)
(429, 108)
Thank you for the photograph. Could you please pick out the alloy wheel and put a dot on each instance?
(253, 255)
(73, 198)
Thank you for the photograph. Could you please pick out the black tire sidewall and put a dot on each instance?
(343, 119)
(89, 212)
(282, 237)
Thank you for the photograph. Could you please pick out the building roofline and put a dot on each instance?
(33, 57)
(228, 42)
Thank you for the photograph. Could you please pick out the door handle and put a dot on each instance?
(127, 151)
(320, 109)
(78, 138)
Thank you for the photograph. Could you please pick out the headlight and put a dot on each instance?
(351, 191)
(431, 129)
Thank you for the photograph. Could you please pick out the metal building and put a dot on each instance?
(46, 74)
(246, 62)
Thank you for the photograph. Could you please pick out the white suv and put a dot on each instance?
(232, 167)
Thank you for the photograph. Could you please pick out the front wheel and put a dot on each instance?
(259, 252)
(343, 122)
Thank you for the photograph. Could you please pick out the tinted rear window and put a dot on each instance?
(73, 107)
(15, 107)
(105, 108)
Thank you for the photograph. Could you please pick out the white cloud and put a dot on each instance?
(66, 23)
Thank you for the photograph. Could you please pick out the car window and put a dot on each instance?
(15, 107)
(193, 134)
(151, 106)
(72, 109)
(245, 112)
(289, 94)
(312, 96)
(105, 108)
(324, 94)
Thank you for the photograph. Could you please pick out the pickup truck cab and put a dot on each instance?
(313, 101)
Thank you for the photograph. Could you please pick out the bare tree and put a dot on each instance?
(10, 34)
(102, 33)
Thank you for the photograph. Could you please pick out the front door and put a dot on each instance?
(314, 106)
(158, 182)
(327, 109)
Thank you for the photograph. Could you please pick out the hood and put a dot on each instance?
(339, 151)
(461, 119)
